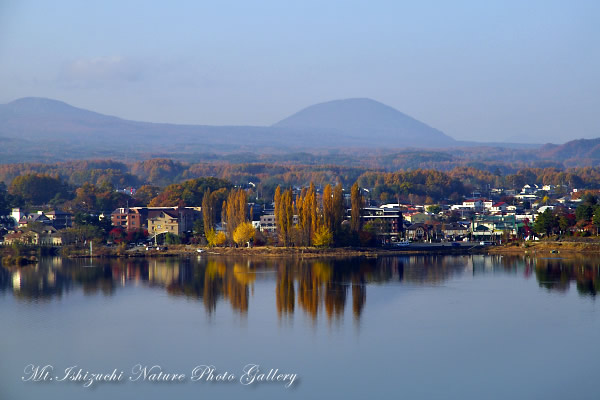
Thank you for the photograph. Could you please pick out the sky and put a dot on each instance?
(502, 71)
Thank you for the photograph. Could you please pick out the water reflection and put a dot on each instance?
(313, 286)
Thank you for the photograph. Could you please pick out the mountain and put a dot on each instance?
(50, 129)
(578, 152)
(57, 126)
(348, 131)
(365, 120)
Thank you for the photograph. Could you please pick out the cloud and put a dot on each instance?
(101, 70)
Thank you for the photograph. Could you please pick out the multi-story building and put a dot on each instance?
(60, 219)
(129, 219)
(268, 223)
(387, 222)
(134, 218)
(165, 221)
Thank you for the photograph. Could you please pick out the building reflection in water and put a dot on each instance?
(315, 286)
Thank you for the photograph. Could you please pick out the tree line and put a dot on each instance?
(585, 221)
(420, 183)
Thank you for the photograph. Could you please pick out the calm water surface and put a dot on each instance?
(418, 327)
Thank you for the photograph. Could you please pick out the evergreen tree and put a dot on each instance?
(546, 222)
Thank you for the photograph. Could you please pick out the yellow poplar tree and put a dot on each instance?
(236, 210)
(285, 217)
(323, 237)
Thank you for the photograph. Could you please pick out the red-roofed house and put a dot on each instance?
(499, 207)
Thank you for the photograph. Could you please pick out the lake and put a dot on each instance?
(402, 327)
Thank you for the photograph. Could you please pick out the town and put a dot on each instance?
(214, 212)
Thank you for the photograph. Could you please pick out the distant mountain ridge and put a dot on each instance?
(39, 129)
(58, 127)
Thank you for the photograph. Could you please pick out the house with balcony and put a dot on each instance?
(454, 231)
(38, 236)
(165, 221)
(424, 232)
(130, 219)
(494, 227)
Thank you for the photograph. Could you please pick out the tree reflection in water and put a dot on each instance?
(317, 285)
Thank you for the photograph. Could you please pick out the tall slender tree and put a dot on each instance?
(339, 210)
(285, 217)
(357, 203)
(277, 200)
(237, 205)
(328, 212)
(208, 211)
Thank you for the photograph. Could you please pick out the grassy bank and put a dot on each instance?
(263, 251)
(548, 247)
(565, 248)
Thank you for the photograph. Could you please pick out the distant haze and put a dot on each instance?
(337, 124)
(489, 71)
(355, 118)
(350, 131)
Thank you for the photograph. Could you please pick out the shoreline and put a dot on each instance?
(273, 252)
(565, 248)
(569, 248)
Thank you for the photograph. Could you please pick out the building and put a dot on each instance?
(175, 220)
(417, 217)
(17, 214)
(454, 231)
(494, 227)
(60, 219)
(39, 217)
(387, 222)
(473, 204)
(165, 221)
(133, 218)
(39, 236)
(130, 219)
(267, 223)
(423, 232)
(500, 207)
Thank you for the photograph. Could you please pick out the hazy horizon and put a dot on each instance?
(501, 72)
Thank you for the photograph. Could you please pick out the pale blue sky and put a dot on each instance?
(478, 70)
